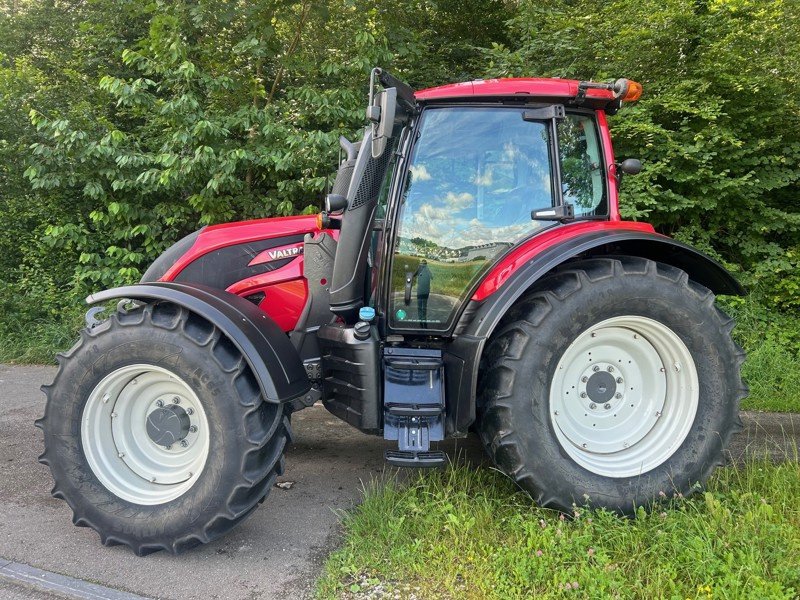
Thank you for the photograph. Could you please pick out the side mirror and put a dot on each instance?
(630, 166)
(381, 114)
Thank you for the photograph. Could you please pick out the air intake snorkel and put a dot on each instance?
(369, 168)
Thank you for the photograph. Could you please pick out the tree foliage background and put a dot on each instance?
(126, 124)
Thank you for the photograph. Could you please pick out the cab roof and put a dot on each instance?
(516, 86)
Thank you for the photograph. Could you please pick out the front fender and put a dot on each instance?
(266, 348)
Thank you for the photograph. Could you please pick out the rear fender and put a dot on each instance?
(267, 350)
(481, 317)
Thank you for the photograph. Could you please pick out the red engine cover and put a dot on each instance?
(261, 260)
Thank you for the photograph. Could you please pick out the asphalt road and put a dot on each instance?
(277, 553)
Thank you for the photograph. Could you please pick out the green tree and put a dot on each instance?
(718, 127)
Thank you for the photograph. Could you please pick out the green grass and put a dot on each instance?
(772, 342)
(470, 534)
(30, 334)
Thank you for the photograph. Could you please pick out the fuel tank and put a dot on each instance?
(260, 260)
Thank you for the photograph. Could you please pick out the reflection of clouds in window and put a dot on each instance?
(428, 211)
(438, 226)
(545, 182)
(483, 179)
(419, 173)
(510, 152)
(475, 178)
(458, 201)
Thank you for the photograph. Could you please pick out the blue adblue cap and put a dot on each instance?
(366, 313)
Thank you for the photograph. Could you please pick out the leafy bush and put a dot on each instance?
(718, 126)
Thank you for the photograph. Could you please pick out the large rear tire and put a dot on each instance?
(614, 383)
(156, 431)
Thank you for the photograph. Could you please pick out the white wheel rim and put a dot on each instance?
(119, 449)
(624, 396)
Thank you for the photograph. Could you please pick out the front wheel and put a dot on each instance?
(613, 383)
(156, 431)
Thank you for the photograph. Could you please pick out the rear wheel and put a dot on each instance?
(615, 382)
(156, 432)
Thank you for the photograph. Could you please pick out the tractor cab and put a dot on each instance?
(445, 184)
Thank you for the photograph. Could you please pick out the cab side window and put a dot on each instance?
(582, 173)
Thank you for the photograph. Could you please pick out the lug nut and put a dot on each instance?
(607, 406)
(189, 411)
(595, 368)
(583, 394)
(610, 369)
(617, 395)
(176, 400)
(584, 379)
(593, 406)
(159, 403)
(184, 443)
(168, 447)
(193, 428)
(619, 379)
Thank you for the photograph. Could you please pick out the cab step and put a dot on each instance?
(414, 406)
(430, 459)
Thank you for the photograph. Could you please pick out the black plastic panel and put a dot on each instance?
(224, 267)
(162, 264)
(351, 376)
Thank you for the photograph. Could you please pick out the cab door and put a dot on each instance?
(473, 178)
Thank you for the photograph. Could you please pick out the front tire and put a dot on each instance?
(613, 383)
(156, 432)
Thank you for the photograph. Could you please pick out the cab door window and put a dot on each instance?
(475, 175)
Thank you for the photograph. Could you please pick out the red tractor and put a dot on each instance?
(470, 270)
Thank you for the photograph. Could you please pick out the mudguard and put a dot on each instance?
(480, 317)
(266, 348)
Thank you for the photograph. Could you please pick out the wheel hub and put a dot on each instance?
(168, 425)
(601, 387)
